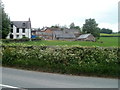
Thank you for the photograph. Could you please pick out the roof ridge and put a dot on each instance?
(19, 21)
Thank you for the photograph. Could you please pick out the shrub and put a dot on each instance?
(15, 40)
(71, 60)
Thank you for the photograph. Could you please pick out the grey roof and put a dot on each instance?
(55, 29)
(83, 36)
(45, 33)
(72, 30)
(58, 32)
(65, 36)
(61, 34)
(22, 24)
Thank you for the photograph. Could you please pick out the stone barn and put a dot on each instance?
(86, 37)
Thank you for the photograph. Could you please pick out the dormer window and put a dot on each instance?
(23, 24)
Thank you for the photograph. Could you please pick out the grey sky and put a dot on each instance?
(64, 12)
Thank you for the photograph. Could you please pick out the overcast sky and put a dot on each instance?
(63, 12)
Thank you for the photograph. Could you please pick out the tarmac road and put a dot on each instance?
(15, 78)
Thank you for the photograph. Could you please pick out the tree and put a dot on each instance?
(72, 25)
(91, 26)
(64, 27)
(55, 26)
(5, 22)
(77, 27)
(107, 31)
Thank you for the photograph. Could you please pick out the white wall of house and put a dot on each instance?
(20, 34)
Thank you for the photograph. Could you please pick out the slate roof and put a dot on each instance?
(22, 24)
(66, 36)
(58, 32)
(72, 30)
(83, 36)
(61, 34)
(55, 29)
(44, 33)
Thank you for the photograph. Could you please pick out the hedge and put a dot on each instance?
(20, 40)
(95, 61)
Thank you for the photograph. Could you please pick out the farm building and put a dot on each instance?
(60, 35)
(56, 33)
(45, 33)
(86, 37)
(76, 32)
(20, 29)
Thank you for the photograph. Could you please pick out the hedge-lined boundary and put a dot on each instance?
(20, 40)
(95, 61)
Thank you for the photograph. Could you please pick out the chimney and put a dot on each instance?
(29, 19)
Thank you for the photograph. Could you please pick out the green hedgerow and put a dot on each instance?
(72, 60)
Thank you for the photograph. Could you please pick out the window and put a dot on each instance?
(11, 25)
(23, 30)
(11, 30)
(17, 30)
(17, 36)
(11, 36)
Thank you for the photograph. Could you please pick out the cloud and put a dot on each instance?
(50, 12)
(114, 27)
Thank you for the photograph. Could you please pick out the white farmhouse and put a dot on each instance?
(20, 29)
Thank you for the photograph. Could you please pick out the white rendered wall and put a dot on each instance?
(27, 33)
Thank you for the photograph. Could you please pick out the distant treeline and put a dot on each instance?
(107, 31)
(109, 36)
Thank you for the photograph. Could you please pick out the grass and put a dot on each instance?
(103, 34)
(23, 58)
(106, 42)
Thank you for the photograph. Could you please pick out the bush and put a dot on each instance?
(24, 37)
(71, 60)
(15, 40)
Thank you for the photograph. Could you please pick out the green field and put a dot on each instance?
(103, 34)
(102, 42)
(69, 58)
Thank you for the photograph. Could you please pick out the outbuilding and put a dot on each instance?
(86, 37)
